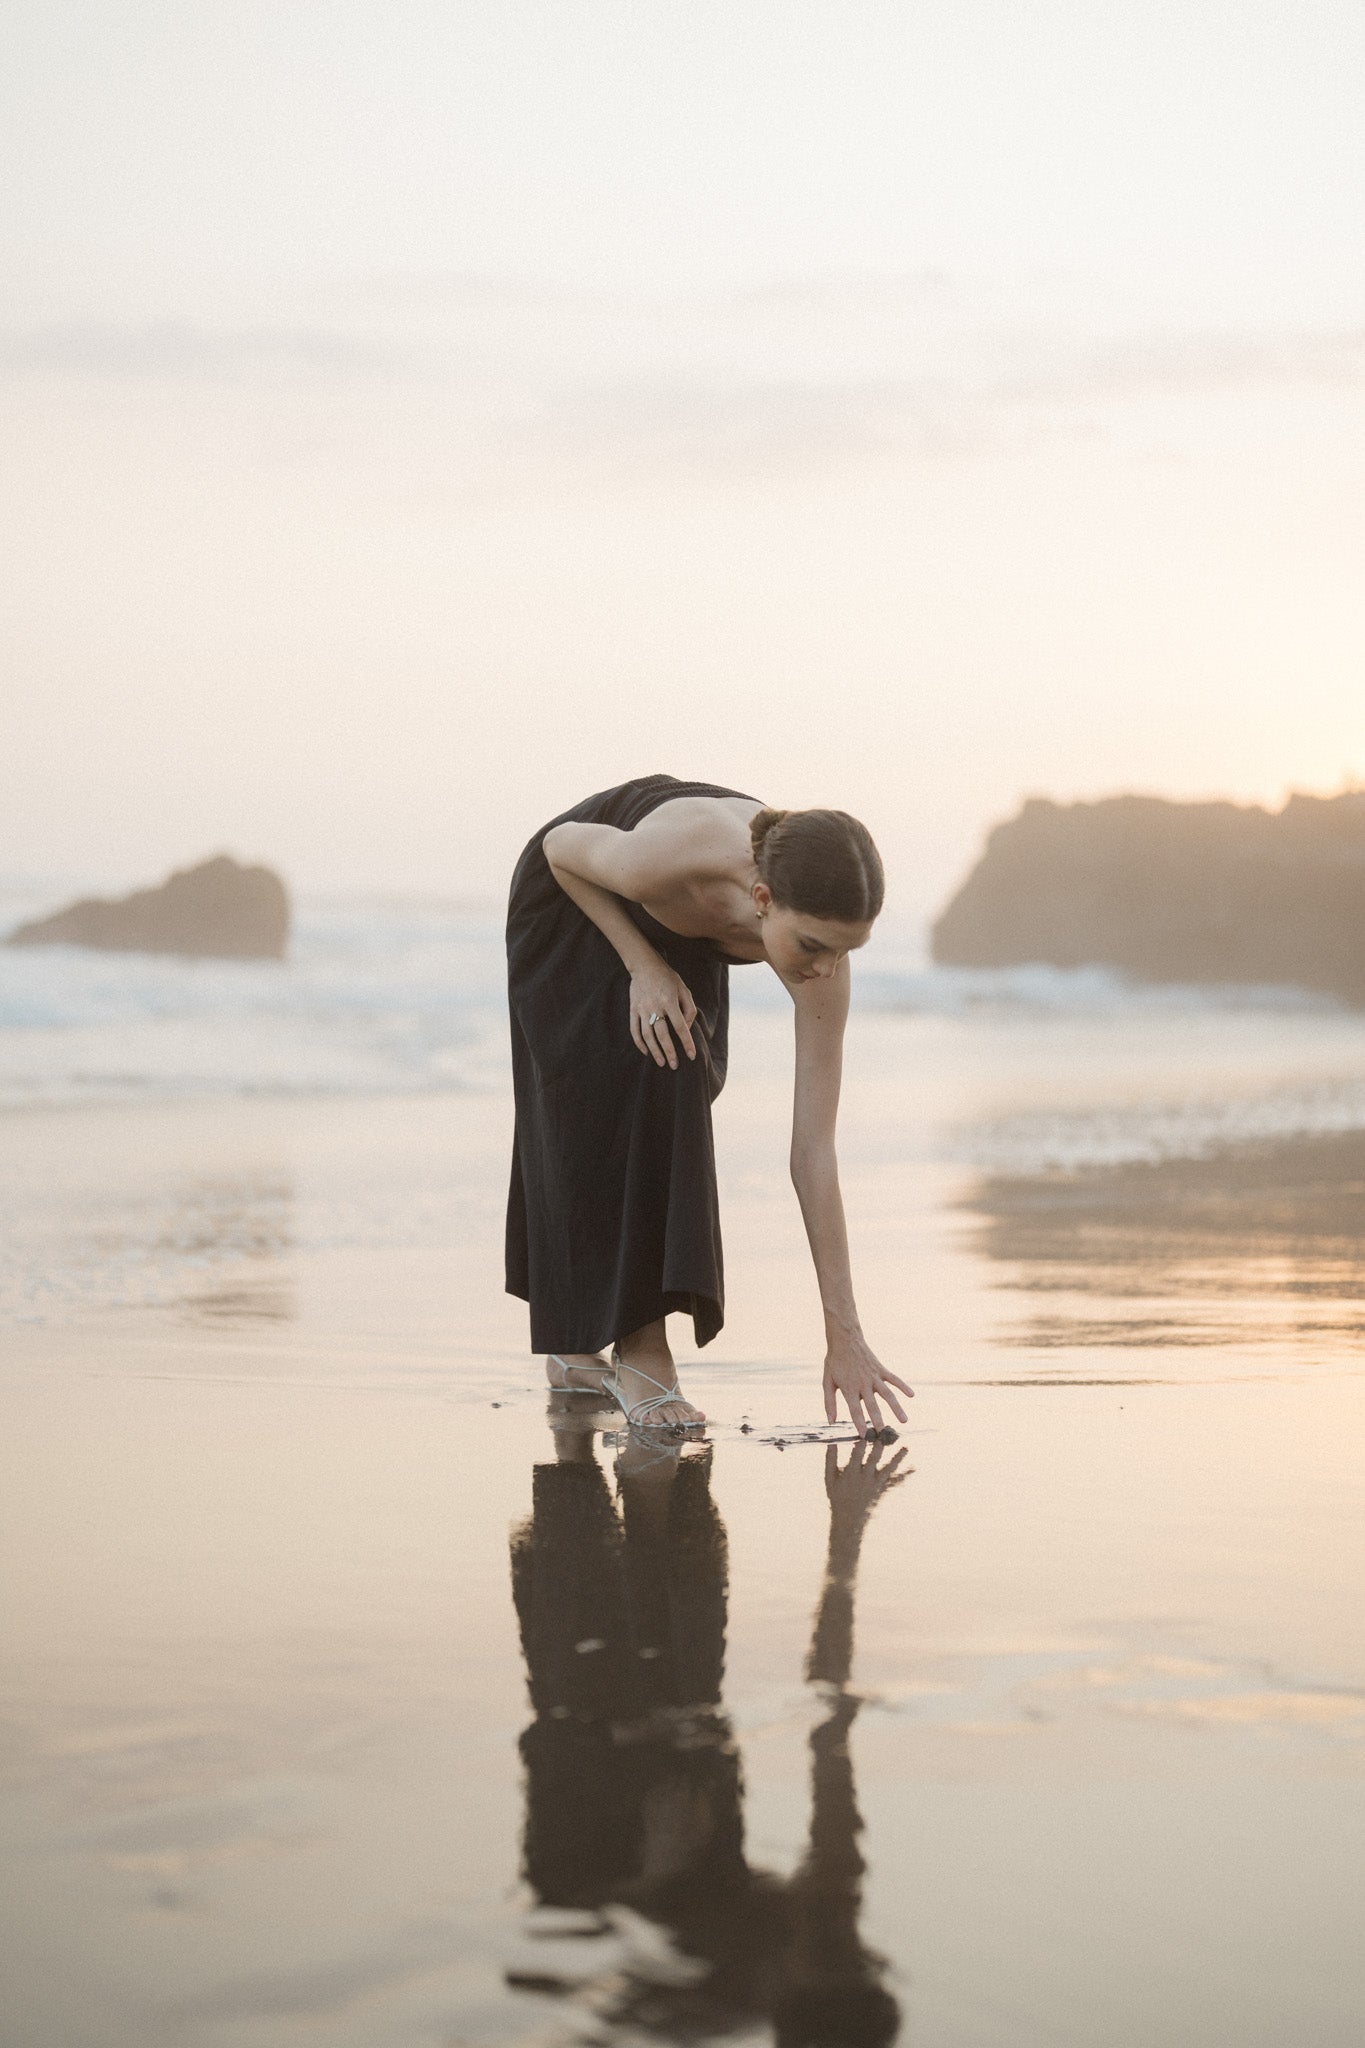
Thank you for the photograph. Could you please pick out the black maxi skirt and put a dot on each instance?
(612, 1217)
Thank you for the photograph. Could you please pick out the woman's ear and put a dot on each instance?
(763, 898)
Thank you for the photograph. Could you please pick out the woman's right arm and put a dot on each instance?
(595, 865)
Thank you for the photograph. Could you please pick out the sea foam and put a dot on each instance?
(400, 996)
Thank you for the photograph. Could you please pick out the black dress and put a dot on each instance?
(612, 1217)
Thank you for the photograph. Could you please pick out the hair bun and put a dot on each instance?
(821, 862)
(761, 825)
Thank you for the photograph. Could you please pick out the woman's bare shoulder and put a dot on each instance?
(706, 830)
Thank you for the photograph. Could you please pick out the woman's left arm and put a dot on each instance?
(851, 1367)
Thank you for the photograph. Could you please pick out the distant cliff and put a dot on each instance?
(218, 910)
(1171, 892)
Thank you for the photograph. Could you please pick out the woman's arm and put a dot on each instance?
(595, 866)
(851, 1367)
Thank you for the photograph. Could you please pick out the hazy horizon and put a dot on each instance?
(905, 920)
(417, 419)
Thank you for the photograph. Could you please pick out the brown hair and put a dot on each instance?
(821, 862)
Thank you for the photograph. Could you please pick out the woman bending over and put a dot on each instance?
(625, 916)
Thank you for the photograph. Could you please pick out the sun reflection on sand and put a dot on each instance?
(1251, 1244)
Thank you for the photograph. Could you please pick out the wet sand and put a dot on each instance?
(356, 1695)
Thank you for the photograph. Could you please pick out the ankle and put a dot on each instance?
(652, 1358)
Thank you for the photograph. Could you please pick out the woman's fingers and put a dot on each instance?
(862, 1396)
(885, 1383)
(650, 1035)
(665, 1043)
(853, 1401)
(681, 1019)
(653, 1009)
(863, 1406)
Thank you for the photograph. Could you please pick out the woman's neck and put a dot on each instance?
(716, 907)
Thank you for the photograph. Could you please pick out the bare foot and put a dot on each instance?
(644, 1371)
(575, 1372)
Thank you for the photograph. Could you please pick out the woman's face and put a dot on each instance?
(801, 947)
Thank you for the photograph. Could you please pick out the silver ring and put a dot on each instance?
(655, 1018)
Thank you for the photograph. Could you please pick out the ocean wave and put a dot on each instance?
(1041, 991)
(369, 1001)
(408, 997)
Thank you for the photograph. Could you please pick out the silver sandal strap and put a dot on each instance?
(647, 1406)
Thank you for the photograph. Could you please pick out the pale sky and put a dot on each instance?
(418, 415)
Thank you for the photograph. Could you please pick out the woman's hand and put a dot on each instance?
(853, 1370)
(660, 998)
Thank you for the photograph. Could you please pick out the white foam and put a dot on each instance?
(408, 997)
(371, 1000)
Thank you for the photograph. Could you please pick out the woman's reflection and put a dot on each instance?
(633, 1784)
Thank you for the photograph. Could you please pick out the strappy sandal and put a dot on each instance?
(639, 1414)
(566, 1385)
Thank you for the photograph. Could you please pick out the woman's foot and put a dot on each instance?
(644, 1370)
(575, 1372)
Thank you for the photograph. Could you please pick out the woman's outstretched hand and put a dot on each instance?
(853, 1370)
(660, 995)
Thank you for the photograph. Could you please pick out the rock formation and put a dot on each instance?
(218, 910)
(1171, 892)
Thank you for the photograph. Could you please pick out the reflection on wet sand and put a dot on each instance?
(634, 1788)
(1194, 1244)
(237, 1231)
(209, 1247)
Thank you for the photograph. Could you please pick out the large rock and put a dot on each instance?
(219, 910)
(1171, 892)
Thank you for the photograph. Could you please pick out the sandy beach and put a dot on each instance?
(450, 452)
(1077, 1688)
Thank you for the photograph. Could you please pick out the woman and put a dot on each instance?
(625, 914)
